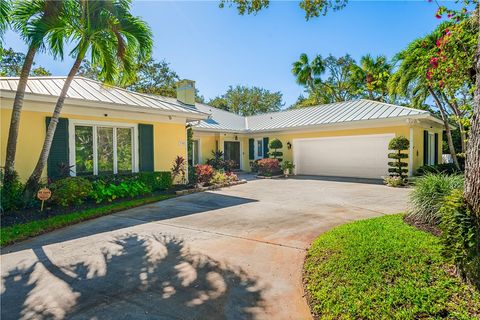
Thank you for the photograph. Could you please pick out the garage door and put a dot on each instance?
(353, 156)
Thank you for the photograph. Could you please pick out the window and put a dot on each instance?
(431, 149)
(259, 149)
(102, 149)
(195, 152)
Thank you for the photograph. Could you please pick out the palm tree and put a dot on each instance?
(410, 80)
(115, 39)
(5, 7)
(308, 73)
(40, 24)
(373, 74)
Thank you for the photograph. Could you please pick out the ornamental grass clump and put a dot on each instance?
(428, 194)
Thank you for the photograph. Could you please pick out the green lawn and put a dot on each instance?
(23, 231)
(383, 268)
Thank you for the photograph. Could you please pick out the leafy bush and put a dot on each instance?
(446, 168)
(288, 165)
(219, 163)
(461, 237)
(219, 178)
(103, 191)
(179, 169)
(204, 173)
(393, 181)
(231, 177)
(427, 196)
(254, 165)
(11, 192)
(158, 180)
(397, 167)
(268, 166)
(70, 191)
(276, 144)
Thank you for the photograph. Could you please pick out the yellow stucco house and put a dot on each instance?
(112, 130)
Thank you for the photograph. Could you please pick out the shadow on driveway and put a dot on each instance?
(132, 277)
(167, 209)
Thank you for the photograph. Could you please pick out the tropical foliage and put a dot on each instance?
(248, 101)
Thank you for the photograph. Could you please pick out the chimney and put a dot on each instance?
(186, 91)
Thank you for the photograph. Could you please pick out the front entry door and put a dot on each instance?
(231, 151)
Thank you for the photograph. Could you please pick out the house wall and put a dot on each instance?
(169, 134)
(417, 132)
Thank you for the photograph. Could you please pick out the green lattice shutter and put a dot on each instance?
(145, 147)
(59, 152)
(265, 147)
(251, 149)
(425, 147)
(436, 148)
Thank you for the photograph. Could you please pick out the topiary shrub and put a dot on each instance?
(461, 237)
(276, 144)
(427, 196)
(398, 167)
(71, 191)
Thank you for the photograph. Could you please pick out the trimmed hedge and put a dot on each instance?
(156, 181)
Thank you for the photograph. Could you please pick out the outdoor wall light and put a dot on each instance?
(289, 145)
(236, 137)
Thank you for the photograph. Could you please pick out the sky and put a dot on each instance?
(218, 48)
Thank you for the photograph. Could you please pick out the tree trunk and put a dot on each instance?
(472, 165)
(33, 181)
(15, 118)
(456, 110)
(447, 127)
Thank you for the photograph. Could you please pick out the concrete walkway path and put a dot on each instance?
(236, 253)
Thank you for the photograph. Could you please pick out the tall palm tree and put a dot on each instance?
(5, 7)
(115, 39)
(410, 80)
(40, 24)
(373, 74)
(308, 73)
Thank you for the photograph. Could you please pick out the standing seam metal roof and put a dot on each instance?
(91, 90)
(339, 112)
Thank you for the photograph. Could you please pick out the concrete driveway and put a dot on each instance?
(230, 254)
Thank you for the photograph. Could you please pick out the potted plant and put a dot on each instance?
(287, 167)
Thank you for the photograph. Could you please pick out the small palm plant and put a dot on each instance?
(178, 169)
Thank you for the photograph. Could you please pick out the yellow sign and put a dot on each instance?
(44, 194)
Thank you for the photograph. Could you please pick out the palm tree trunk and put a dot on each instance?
(447, 127)
(472, 165)
(15, 118)
(32, 183)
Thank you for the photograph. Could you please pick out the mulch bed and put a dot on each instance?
(423, 226)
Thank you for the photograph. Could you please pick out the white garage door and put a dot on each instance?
(353, 156)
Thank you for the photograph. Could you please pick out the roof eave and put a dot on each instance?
(190, 116)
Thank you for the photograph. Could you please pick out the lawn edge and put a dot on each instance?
(36, 228)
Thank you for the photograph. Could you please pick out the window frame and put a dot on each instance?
(72, 123)
(257, 142)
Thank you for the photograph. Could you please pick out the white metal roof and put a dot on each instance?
(340, 112)
(90, 90)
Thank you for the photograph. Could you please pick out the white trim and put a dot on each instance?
(241, 150)
(95, 124)
(410, 151)
(199, 149)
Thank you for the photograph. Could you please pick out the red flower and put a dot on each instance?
(438, 16)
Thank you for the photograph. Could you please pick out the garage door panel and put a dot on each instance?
(353, 156)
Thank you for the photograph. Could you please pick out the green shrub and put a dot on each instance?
(428, 194)
(461, 237)
(10, 193)
(158, 180)
(394, 181)
(398, 167)
(219, 178)
(103, 191)
(276, 144)
(70, 191)
(269, 167)
(446, 168)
